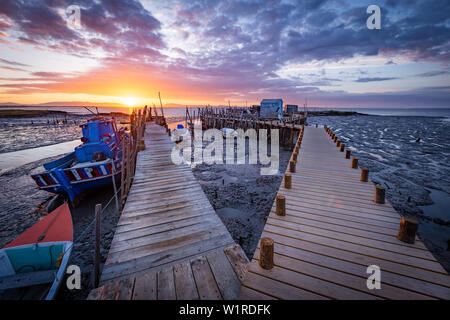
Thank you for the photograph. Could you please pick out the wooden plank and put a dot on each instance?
(250, 294)
(304, 281)
(238, 260)
(27, 279)
(170, 255)
(145, 286)
(360, 258)
(184, 282)
(277, 289)
(204, 278)
(166, 284)
(226, 279)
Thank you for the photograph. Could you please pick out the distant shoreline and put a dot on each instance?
(20, 113)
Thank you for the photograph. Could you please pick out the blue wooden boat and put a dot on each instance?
(93, 164)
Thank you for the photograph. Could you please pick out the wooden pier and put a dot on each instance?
(332, 231)
(326, 230)
(169, 242)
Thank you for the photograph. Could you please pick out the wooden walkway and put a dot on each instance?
(332, 232)
(169, 233)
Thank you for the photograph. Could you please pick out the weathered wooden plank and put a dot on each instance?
(278, 289)
(145, 286)
(166, 284)
(238, 260)
(250, 294)
(226, 279)
(359, 258)
(186, 288)
(204, 278)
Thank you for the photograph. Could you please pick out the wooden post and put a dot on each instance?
(341, 149)
(294, 156)
(407, 230)
(122, 173)
(266, 253)
(338, 143)
(354, 163)
(113, 167)
(292, 166)
(364, 174)
(380, 193)
(288, 181)
(347, 154)
(98, 210)
(281, 205)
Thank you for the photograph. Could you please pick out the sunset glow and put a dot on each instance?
(201, 53)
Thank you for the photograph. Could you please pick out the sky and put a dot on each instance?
(201, 52)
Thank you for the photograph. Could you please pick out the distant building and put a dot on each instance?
(271, 109)
(291, 108)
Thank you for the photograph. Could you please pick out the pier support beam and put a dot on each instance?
(288, 181)
(292, 166)
(364, 174)
(347, 154)
(380, 193)
(281, 205)
(266, 253)
(354, 163)
(407, 230)
(341, 149)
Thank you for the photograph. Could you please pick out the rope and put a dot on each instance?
(91, 223)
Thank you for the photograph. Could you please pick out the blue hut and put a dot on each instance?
(271, 109)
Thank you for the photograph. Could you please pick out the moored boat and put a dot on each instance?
(93, 164)
(39, 256)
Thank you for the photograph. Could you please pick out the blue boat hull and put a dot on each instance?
(76, 181)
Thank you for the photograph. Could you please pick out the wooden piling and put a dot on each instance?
(341, 149)
(97, 257)
(266, 253)
(354, 163)
(364, 174)
(380, 193)
(281, 205)
(294, 156)
(288, 181)
(347, 154)
(338, 143)
(407, 230)
(292, 166)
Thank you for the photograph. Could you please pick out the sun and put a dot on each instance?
(130, 101)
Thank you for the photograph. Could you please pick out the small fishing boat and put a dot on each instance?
(180, 133)
(39, 256)
(93, 164)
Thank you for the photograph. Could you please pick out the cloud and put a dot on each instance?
(13, 63)
(432, 73)
(374, 79)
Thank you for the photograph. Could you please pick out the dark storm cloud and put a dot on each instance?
(123, 26)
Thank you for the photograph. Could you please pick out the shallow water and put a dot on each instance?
(15, 159)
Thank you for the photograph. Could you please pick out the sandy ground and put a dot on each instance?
(242, 196)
